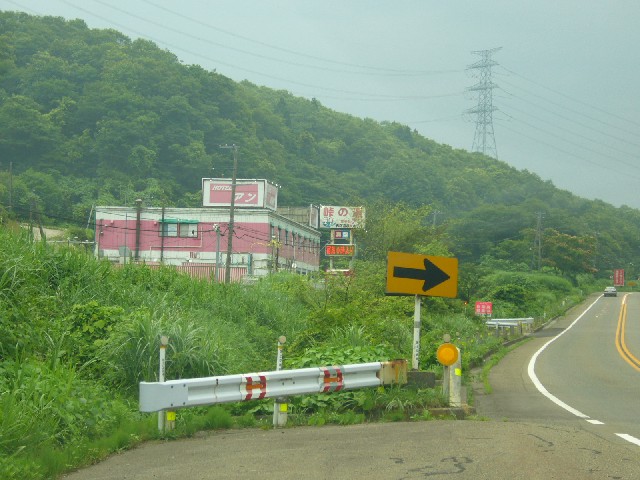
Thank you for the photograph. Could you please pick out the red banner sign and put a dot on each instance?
(484, 308)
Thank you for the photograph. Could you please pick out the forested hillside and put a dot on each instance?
(90, 117)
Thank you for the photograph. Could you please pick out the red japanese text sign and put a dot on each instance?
(618, 277)
(484, 308)
(339, 250)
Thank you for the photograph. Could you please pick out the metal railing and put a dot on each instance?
(511, 325)
(174, 394)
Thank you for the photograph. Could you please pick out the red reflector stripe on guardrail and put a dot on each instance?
(259, 382)
(333, 379)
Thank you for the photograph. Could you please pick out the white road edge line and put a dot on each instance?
(629, 438)
(534, 378)
(556, 400)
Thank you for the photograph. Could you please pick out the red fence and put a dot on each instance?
(208, 271)
(203, 271)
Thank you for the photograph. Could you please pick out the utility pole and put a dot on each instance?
(595, 250)
(484, 140)
(216, 228)
(138, 221)
(275, 253)
(227, 270)
(10, 187)
(163, 226)
(435, 215)
(126, 245)
(537, 242)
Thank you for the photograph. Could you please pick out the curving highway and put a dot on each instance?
(591, 369)
(565, 405)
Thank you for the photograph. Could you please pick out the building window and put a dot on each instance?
(168, 229)
(188, 230)
(179, 228)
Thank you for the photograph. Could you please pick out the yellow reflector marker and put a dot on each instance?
(447, 354)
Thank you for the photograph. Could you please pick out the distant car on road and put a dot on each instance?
(610, 292)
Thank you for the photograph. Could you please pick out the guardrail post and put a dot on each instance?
(280, 406)
(164, 341)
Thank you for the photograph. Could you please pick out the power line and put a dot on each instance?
(572, 98)
(558, 149)
(374, 69)
(576, 134)
(248, 70)
(589, 117)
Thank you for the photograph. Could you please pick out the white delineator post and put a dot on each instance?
(455, 383)
(417, 324)
(446, 380)
(449, 356)
(164, 341)
(280, 406)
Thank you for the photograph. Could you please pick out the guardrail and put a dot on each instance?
(511, 325)
(174, 394)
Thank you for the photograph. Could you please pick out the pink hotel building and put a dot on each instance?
(265, 238)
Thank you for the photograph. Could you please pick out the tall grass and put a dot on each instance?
(77, 335)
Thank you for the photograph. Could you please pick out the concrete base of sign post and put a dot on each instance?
(419, 379)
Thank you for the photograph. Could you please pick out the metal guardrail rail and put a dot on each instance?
(522, 325)
(508, 322)
(174, 394)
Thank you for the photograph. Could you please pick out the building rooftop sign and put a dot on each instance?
(250, 193)
(341, 217)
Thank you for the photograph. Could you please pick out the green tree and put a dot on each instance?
(392, 227)
(570, 254)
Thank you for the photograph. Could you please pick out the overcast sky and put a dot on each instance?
(567, 74)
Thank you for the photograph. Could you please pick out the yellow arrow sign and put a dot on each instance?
(413, 274)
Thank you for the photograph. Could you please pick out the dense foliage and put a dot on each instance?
(79, 334)
(91, 117)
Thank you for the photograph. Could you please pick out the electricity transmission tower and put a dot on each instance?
(484, 140)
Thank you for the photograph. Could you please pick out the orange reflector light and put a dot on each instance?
(447, 354)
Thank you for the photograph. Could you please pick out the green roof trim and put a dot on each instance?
(178, 220)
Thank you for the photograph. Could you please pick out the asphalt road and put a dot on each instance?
(584, 368)
(524, 435)
(581, 368)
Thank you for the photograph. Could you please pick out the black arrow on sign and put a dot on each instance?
(432, 275)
